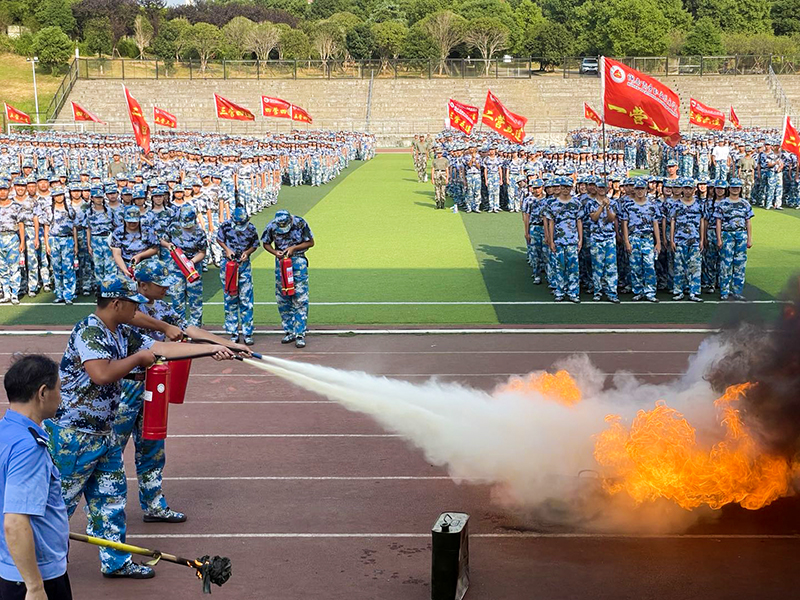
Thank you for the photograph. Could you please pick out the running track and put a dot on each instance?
(311, 501)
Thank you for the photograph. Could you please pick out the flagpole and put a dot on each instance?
(603, 113)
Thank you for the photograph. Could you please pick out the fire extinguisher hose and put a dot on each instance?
(210, 569)
(194, 341)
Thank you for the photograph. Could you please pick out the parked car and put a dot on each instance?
(589, 65)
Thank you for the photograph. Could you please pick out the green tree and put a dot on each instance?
(549, 42)
(142, 33)
(53, 47)
(235, 35)
(704, 39)
(322, 9)
(786, 17)
(387, 10)
(679, 18)
(487, 35)
(623, 27)
(263, 39)
(446, 30)
(204, 39)
(98, 37)
(327, 41)
(171, 41)
(746, 16)
(565, 12)
(294, 45)
(390, 36)
(526, 16)
(417, 10)
(55, 13)
(360, 41)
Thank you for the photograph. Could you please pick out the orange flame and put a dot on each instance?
(659, 457)
(559, 386)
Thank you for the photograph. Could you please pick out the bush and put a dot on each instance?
(23, 45)
(127, 48)
(6, 45)
(53, 48)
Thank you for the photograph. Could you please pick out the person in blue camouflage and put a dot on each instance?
(710, 266)
(533, 221)
(12, 230)
(687, 240)
(287, 236)
(564, 216)
(642, 238)
(239, 239)
(601, 218)
(473, 168)
(159, 218)
(99, 223)
(101, 351)
(734, 235)
(186, 234)
(27, 216)
(493, 174)
(80, 205)
(129, 244)
(59, 239)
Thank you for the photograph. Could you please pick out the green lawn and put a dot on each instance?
(379, 240)
(17, 85)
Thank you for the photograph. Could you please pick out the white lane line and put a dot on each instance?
(438, 303)
(283, 435)
(268, 375)
(516, 535)
(260, 402)
(267, 478)
(483, 331)
(446, 352)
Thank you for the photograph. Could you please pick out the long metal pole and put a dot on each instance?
(35, 93)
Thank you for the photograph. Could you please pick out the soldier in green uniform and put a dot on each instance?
(440, 177)
(746, 166)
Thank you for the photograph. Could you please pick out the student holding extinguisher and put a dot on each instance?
(238, 239)
(129, 244)
(288, 237)
(186, 238)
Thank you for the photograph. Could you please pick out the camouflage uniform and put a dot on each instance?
(536, 248)
(9, 251)
(27, 211)
(733, 255)
(688, 258)
(565, 216)
(61, 225)
(603, 250)
(82, 442)
(192, 241)
(239, 308)
(640, 219)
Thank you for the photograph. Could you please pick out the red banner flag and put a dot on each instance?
(791, 139)
(163, 118)
(141, 130)
(462, 116)
(632, 100)
(228, 110)
(590, 114)
(275, 107)
(705, 116)
(298, 114)
(81, 114)
(502, 120)
(734, 119)
(17, 116)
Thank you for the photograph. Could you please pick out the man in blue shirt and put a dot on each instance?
(35, 533)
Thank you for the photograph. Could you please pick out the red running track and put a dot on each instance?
(311, 501)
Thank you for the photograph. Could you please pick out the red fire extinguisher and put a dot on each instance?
(178, 379)
(287, 277)
(156, 402)
(232, 278)
(186, 266)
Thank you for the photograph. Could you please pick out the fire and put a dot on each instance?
(659, 457)
(559, 386)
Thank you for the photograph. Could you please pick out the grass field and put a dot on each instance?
(17, 87)
(379, 240)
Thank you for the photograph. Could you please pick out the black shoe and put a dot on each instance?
(131, 570)
(166, 516)
(288, 338)
(300, 342)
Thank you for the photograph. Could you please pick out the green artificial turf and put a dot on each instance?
(379, 239)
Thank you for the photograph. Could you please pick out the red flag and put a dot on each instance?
(705, 116)
(791, 139)
(734, 119)
(298, 114)
(462, 116)
(502, 120)
(163, 118)
(17, 116)
(141, 130)
(228, 110)
(275, 107)
(590, 114)
(632, 100)
(81, 114)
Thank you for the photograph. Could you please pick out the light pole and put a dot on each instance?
(33, 62)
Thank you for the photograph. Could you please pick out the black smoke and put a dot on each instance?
(768, 356)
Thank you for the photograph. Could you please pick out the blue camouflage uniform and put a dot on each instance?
(131, 243)
(733, 218)
(189, 237)
(565, 216)
(239, 235)
(710, 263)
(688, 258)
(85, 274)
(473, 200)
(60, 233)
(9, 250)
(100, 224)
(82, 442)
(285, 231)
(27, 211)
(603, 249)
(640, 218)
(534, 207)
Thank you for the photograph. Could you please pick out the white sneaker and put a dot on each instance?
(14, 300)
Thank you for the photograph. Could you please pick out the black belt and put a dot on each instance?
(135, 376)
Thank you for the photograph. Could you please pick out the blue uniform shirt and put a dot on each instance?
(640, 217)
(31, 485)
(238, 240)
(733, 215)
(602, 229)
(565, 217)
(299, 233)
(687, 221)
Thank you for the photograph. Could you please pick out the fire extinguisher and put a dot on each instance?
(178, 379)
(232, 276)
(156, 401)
(287, 277)
(186, 266)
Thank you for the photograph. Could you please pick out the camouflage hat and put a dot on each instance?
(116, 287)
(239, 215)
(132, 214)
(154, 271)
(187, 215)
(283, 221)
